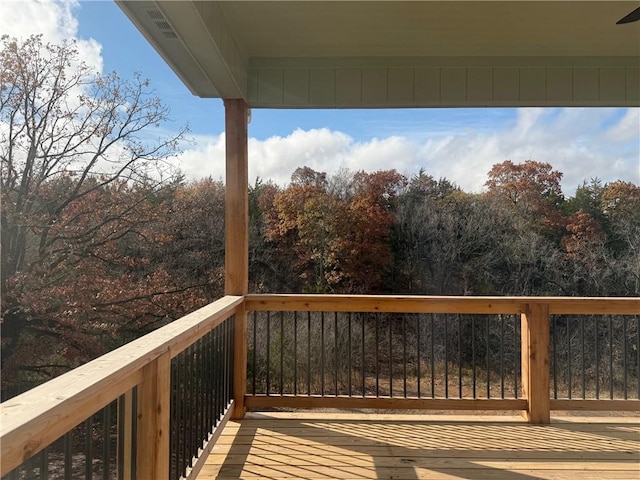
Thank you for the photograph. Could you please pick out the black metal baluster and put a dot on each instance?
(624, 356)
(255, 352)
(363, 357)
(349, 369)
(433, 361)
(516, 356)
(584, 386)
(389, 320)
(419, 376)
(597, 345)
(446, 357)
(610, 357)
(638, 357)
(322, 354)
(473, 353)
(554, 324)
(186, 420)
(404, 354)
(106, 440)
(501, 356)
(377, 363)
(459, 356)
(173, 426)
(190, 389)
(309, 353)
(197, 375)
(88, 448)
(268, 392)
(335, 347)
(43, 469)
(68, 442)
(570, 359)
(295, 353)
(488, 365)
(281, 353)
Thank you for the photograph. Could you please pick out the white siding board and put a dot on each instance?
(559, 84)
(401, 86)
(349, 86)
(506, 84)
(270, 86)
(374, 86)
(533, 84)
(633, 84)
(442, 86)
(322, 86)
(296, 86)
(453, 84)
(586, 84)
(252, 85)
(613, 84)
(427, 85)
(480, 84)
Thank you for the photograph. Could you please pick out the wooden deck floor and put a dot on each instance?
(351, 446)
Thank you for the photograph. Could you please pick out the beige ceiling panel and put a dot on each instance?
(401, 86)
(613, 84)
(453, 85)
(349, 87)
(322, 86)
(586, 84)
(296, 86)
(226, 48)
(480, 84)
(374, 86)
(270, 87)
(633, 84)
(427, 85)
(533, 85)
(559, 84)
(506, 84)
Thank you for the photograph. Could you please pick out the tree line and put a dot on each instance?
(103, 240)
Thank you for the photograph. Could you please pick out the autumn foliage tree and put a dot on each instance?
(80, 167)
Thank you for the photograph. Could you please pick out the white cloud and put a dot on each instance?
(54, 20)
(581, 143)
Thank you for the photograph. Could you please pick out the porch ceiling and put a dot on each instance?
(398, 53)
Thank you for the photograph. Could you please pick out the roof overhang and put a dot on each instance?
(358, 54)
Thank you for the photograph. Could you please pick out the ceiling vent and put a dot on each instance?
(161, 23)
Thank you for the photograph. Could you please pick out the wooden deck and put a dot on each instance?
(360, 446)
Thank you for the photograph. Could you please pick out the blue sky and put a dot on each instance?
(460, 144)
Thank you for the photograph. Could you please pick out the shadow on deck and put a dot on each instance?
(360, 446)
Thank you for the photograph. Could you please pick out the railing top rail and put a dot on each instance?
(441, 304)
(32, 420)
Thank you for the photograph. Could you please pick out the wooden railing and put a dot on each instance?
(155, 369)
(280, 346)
(34, 420)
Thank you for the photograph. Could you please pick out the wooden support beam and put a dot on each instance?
(152, 460)
(237, 235)
(236, 268)
(535, 362)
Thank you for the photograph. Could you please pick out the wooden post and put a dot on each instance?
(237, 236)
(535, 362)
(152, 459)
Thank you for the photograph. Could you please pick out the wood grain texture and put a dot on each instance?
(535, 361)
(31, 421)
(236, 248)
(353, 446)
(263, 401)
(153, 419)
(440, 304)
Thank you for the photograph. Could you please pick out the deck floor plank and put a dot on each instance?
(409, 447)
